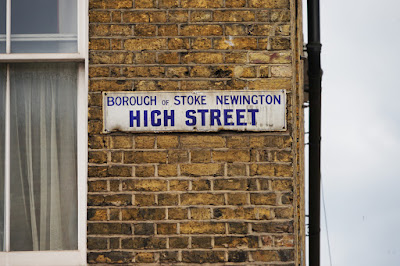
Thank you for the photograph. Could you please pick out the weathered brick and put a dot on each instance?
(167, 142)
(178, 185)
(96, 243)
(177, 214)
(269, 3)
(273, 227)
(168, 199)
(121, 142)
(202, 142)
(201, 185)
(231, 156)
(201, 30)
(200, 213)
(230, 184)
(109, 257)
(236, 242)
(178, 242)
(202, 199)
(144, 142)
(202, 3)
(144, 229)
(97, 214)
(97, 186)
(145, 3)
(201, 242)
(146, 157)
(166, 229)
(144, 257)
(145, 44)
(144, 171)
(144, 243)
(144, 185)
(200, 169)
(203, 58)
(235, 213)
(234, 16)
(108, 229)
(263, 199)
(201, 16)
(237, 199)
(167, 170)
(202, 228)
(145, 199)
(270, 57)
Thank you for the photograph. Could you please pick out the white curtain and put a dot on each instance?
(2, 135)
(43, 157)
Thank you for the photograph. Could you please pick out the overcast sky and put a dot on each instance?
(361, 131)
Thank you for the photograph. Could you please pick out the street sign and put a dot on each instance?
(200, 111)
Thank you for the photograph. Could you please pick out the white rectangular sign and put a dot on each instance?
(194, 111)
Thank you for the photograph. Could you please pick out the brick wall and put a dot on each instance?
(188, 198)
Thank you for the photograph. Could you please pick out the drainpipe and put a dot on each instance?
(315, 76)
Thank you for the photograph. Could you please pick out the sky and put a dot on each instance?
(361, 131)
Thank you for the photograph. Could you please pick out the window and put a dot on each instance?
(43, 131)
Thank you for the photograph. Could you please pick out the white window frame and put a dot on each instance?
(53, 258)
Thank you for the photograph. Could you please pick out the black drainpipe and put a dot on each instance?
(314, 75)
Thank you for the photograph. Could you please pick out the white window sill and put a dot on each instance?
(43, 258)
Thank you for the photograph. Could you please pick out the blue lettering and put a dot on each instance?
(215, 114)
(268, 99)
(177, 102)
(239, 117)
(155, 122)
(170, 117)
(253, 116)
(234, 99)
(145, 119)
(227, 116)
(254, 101)
(190, 116)
(203, 115)
(246, 99)
(134, 117)
(277, 98)
(219, 99)
(110, 101)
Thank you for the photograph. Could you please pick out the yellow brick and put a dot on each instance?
(263, 199)
(202, 228)
(281, 71)
(245, 72)
(177, 43)
(265, 214)
(269, 3)
(201, 30)
(234, 16)
(234, 30)
(145, 44)
(135, 17)
(145, 4)
(200, 213)
(230, 184)
(261, 30)
(144, 142)
(144, 185)
(99, 44)
(231, 156)
(145, 199)
(121, 30)
(167, 170)
(235, 213)
(177, 214)
(167, 142)
(237, 198)
(235, 3)
(237, 142)
(236, 43)
(201, 169)
(236, 57)
(202, 199)
(144, 171)
(178, 185)
(146, 157)
(177, 72)
(168, 30)
(201, 44)
(99, 16)
(200, 156)
(271, 84)
(201, 185)
(201, 16)
(168, 58)
(236, 169)
(270, 57)
(202, 141)
(202, 3)
(145, 30)
(178, 16)
(168, 3)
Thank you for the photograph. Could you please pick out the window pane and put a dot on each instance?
(2, 26)
(44, 26)
(43, 157)
(2, 139)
